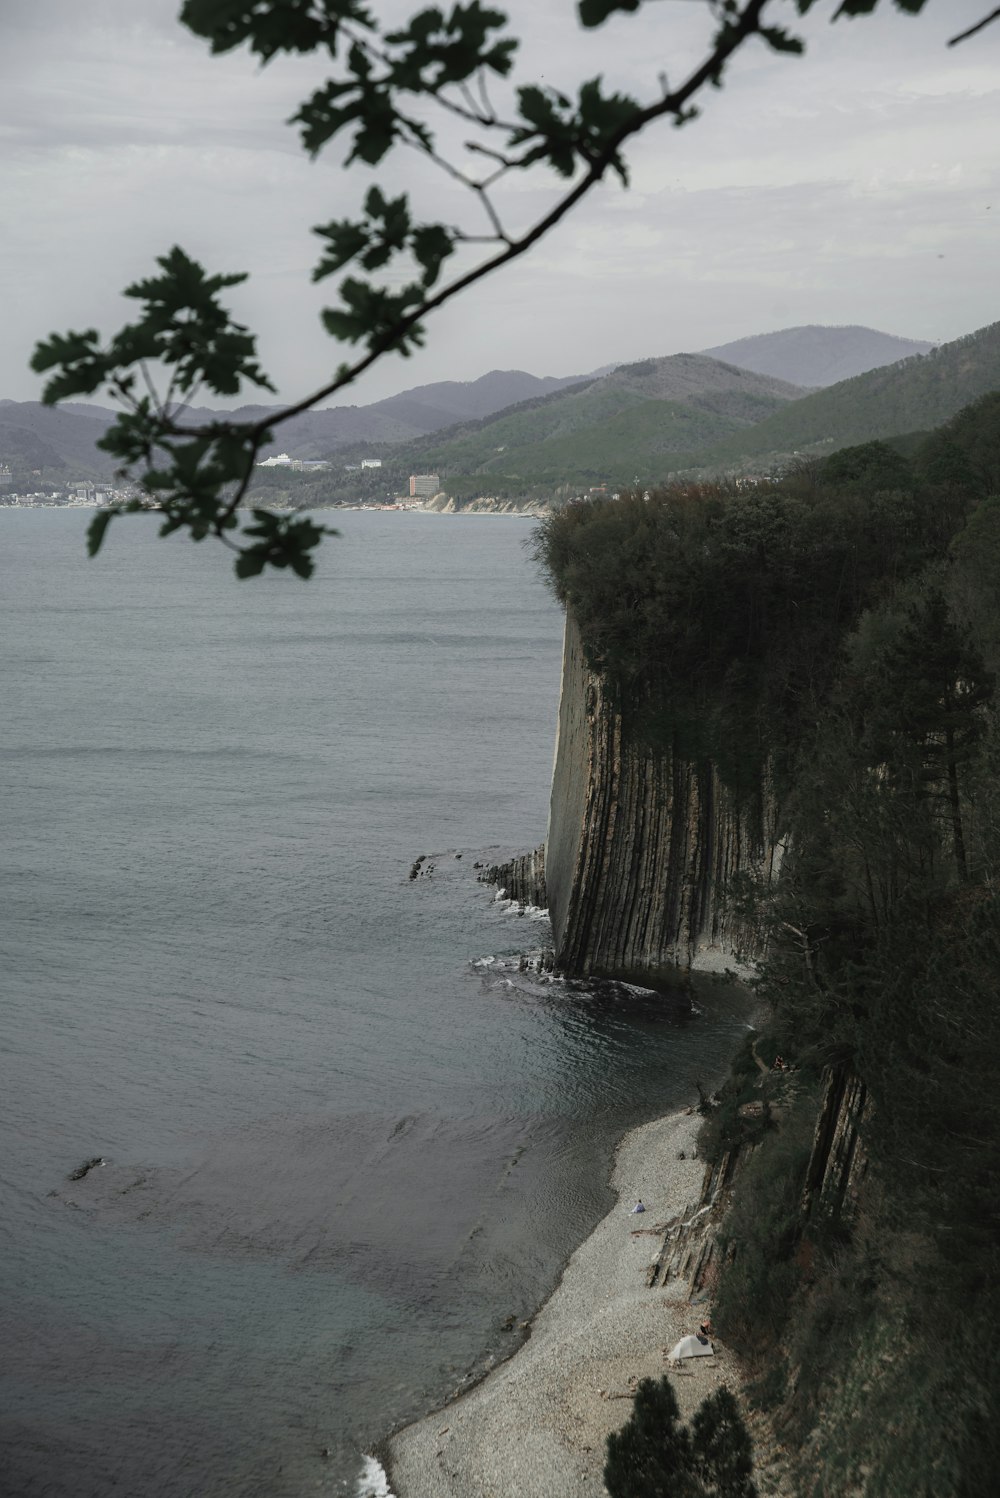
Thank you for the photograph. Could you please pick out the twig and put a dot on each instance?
(746, 25)
(963, 36)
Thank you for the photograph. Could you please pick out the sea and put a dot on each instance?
(347, 1135)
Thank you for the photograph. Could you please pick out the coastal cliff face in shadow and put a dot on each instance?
(652, 865)
(649, 855)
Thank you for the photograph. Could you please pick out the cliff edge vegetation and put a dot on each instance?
(834, 637)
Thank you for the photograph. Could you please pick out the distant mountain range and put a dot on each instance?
(689, 414)
(914, 395)
(815, 356)
(646, 420)
(38, 437)
(622, 424)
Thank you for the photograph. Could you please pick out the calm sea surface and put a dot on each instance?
(342, 1146)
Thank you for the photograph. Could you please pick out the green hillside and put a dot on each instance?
(26, 454)
(915, 394)
(645, 421)
(639, 421)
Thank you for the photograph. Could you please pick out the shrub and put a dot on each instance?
(761, 1237)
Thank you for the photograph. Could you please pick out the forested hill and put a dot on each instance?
(639, 418)
(816, 356)
(40, 439)
(915, 395)
(645, 421)
(432, 407)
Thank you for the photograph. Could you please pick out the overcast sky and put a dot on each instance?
(858, 184)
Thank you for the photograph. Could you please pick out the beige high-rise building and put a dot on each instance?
(424, 485)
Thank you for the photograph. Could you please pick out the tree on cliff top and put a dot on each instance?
(185, 340)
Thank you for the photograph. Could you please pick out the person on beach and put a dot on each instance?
(638, 1208)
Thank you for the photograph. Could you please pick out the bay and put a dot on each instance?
(345, 1137)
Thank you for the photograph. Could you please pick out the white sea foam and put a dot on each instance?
(710, 959)
(515, 907)
(373, 1482)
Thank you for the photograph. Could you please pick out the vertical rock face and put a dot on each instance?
(645, 851)
(521, 878)
(839, 1162)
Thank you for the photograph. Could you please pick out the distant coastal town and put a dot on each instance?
(88, 494)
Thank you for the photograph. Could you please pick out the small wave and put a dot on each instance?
(483, 961)
(373, 1482)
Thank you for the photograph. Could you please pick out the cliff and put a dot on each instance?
(447, 504)
(831, 637)
(647, 853)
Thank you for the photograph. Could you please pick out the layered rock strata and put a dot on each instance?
(647, 854)
(521, 878)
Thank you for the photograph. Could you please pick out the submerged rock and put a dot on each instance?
(86, 1168)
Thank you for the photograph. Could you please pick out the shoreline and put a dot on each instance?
(537, 1424)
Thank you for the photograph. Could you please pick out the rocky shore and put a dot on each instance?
(536, 1427)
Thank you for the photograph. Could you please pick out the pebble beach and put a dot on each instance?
(536, 1427)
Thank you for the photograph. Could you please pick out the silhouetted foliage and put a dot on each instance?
(720, 1445)
(654, 1456)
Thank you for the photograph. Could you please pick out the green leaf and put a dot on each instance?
(97, 528)
(81, 364)
(251, 563)
(374, 313)
(284, 541)
(432, 244)
(346, 240)
(780, 40)
(390, 228)
(555, 135)
(440, 50)
(594, 12)
(867, 6)
(601, 118)
(272, 26)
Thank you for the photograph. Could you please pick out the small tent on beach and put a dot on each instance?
(690, 1347)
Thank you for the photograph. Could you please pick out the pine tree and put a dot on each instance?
(650, 1457)
(654, 1456)
(721, 1449)
(940, 686)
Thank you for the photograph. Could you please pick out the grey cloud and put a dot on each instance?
(813, 189)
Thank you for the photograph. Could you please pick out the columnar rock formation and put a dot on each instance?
(521, 878)
(646, 852)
